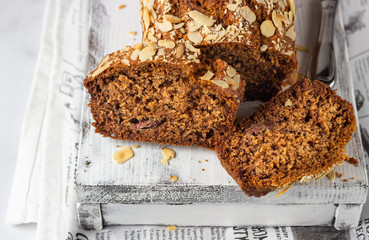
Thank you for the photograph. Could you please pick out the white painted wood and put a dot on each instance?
(347, 216)
(89, 216)
(143, 180)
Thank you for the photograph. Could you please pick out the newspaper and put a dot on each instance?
(57, 218)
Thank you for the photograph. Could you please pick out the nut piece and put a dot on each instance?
(168, 153)
(263, 48)
(146, 18)
(165, 26)
(200, 18)
(292, 6)
(276, 20)
(231, 71)
(207, 76)
(134, 54)
(123, 155)
(173, 178)
(288, 103)
(192, 48)
(236, 84)
(146, 53)
(221, 83)
(291, 33)
(167, 44)
(232, 7)
(172, 227)
(179, 51)
(195, 37)
(247, 14)
(267, 28)
(172, 19)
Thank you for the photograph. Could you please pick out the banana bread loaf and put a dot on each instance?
(301, 133)
(167, 94)
(256, 37)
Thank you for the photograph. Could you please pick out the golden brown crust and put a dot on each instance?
(301, 133)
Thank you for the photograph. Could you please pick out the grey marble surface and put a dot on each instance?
(20, 32)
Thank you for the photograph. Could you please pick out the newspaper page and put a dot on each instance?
(74, 56)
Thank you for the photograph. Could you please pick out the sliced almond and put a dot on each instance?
(292, 6)
(291, 33)
(289, 53)
(125, 61)
(137, 46)
(288, 103)
(160, 52)
(146, 17)
(134, 54)
(195, 37)
(146, 53)
(179, 51)
(282, 18)
(172, 19)
(211, 37)
(202, 19)
(168, 153)
(267, 28)
(167, 44)
(100, 70)
(192, 48)
(207, 76)
(263, 48)
(237, 80)
(179, 25)
(221, 34)
(123, 155)
(151, 37)
(247, 14)
(165, 26)
(194, 26)
(221, 83)
(275, 19)
(232, 7)
(173, 178)
(231, 71)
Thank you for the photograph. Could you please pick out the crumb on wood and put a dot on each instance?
(172, 227)
(199, 161)
(206, 160)
(345, 180)
(203, 169)
(135, 146)
(339, 174)
(132, 33)
(123, 155)
(173, 178)
(117, 146)
(122, 6)
(164, 161)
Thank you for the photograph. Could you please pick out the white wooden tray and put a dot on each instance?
(140, 191)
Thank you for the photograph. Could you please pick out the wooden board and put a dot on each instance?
(144, 180)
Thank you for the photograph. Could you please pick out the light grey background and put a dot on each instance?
(20, 32)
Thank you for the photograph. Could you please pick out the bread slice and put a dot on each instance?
(166, 95)
(300, 133)
(256, 37)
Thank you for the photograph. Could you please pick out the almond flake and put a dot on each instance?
(267, 28)
(202, 19)
(177, 26)
(288, 103)
(135, 54)
(237, 80)
(138, 46)
(172, 19)
(275, 19)
(146, 53)
(247, 14)
(263, 48)
(179, 51)
(151, 37)
(291, 33)
(207, 76)
(292, 6)
(221, 83)
(125, 61)
(194, 26)
(232, 7)
(195, 37)
(282, 18)
(167, 44)
(231, 71)
(183, 31)
(289, 53)
(161, 52)
(192, 48)
(100, 70)
(173, 178)
(221, 34)
(123, 155)
(146, 18)
(165, 26)
(168, 153)
(211, 37)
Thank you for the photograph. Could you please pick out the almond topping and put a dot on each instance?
(167, 44)
(292, 6)
(165, 26)
(168, 153)
(151, 37)
(137, 46)
(123, 155)
(232, 7)
(231, 71)
(247, 14)
(125, 61)
(195, 37)
(173, 178)
(192, 48)
(200, 18)
(288, 103)
(237, 80)
(211, 37)
(194, 26)
(172, 19)
(263, 48)
(282, 18)
(275, 19)
(179, 51)
(146, 53)
(267, 28)
(146, 18)
(221, 83)
(135, 54)
(291, 33)
(179, 25)
(207, 76)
